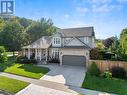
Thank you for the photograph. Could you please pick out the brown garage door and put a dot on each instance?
(74, 60)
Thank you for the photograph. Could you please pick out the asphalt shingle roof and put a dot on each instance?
(77, 32)
(44, 42)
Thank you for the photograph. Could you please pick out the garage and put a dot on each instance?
(74, 60)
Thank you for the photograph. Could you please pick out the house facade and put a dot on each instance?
(69, 46)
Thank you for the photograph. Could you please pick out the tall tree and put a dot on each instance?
(123, 40)
(2, 24)
(108, 42)
(40, 28)
(13, 37)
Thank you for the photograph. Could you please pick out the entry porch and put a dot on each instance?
(36, 53)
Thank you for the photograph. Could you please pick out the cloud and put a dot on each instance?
(66, 16)
(106, 8)
(82, 10)
(99, 1)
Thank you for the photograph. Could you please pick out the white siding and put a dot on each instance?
(74, 42)
(88, 40)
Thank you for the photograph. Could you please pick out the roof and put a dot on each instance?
(78, 47)
(77, 32)
(75, 47)
(44, 42)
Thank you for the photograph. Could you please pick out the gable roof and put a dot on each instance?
(44, 42)
(77, 32)
(72, 42)
(83, 45)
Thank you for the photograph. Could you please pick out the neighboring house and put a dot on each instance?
(70, 46)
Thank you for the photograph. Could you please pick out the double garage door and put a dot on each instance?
(74, 60)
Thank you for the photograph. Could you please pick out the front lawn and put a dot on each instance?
(11, 85)
(27, 70)
(117, 86)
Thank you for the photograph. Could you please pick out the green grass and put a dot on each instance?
(26, 70)
(11, 85)
(116, 86)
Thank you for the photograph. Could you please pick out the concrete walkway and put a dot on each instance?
(43, 87)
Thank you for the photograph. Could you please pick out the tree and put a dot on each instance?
(99, 44)
(13, 37)
(115, 45)
(24, 22)
(2, 23)
(108, 42)
(95, 54)
(123, 41)
(40, 28)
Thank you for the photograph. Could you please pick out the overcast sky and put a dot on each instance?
(108, 17)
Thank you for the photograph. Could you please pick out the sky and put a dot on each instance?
(108, 17)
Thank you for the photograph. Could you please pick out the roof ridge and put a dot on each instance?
(77, 28)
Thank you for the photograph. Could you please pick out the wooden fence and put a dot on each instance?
(107, 65)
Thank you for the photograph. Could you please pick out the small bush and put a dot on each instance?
(25, 60)
(95, 54)
(118, 72)
(54, 60)
(3, 58)
(2, 49)
(3, 55)
(28, 61)
(106, 74)
(20, 58)
(94, 70)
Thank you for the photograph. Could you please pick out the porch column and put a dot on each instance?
(40, 54)
(61, 60)
(28, 53)
(46, 54)
(35, 53)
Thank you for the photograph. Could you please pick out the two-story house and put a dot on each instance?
(71, 46)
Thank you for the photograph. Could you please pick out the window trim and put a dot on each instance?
(56, 40)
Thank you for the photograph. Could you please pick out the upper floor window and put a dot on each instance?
(56, 40)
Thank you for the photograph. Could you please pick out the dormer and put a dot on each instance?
(56, 40)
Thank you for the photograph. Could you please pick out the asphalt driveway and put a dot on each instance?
(69, 75)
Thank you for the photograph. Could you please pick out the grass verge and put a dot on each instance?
(27, 70)
(116, 86)
(11, 85)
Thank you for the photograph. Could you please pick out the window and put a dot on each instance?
(55, 53)
(56, 40)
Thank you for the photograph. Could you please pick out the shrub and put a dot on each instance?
(3, 55)
(106, 74)
(95, 54)
(2, 49)
(29, 61)
(3, 58)
(94, 70)
(54, 60)
(118, 72)
(25, 60)
(20, 58)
